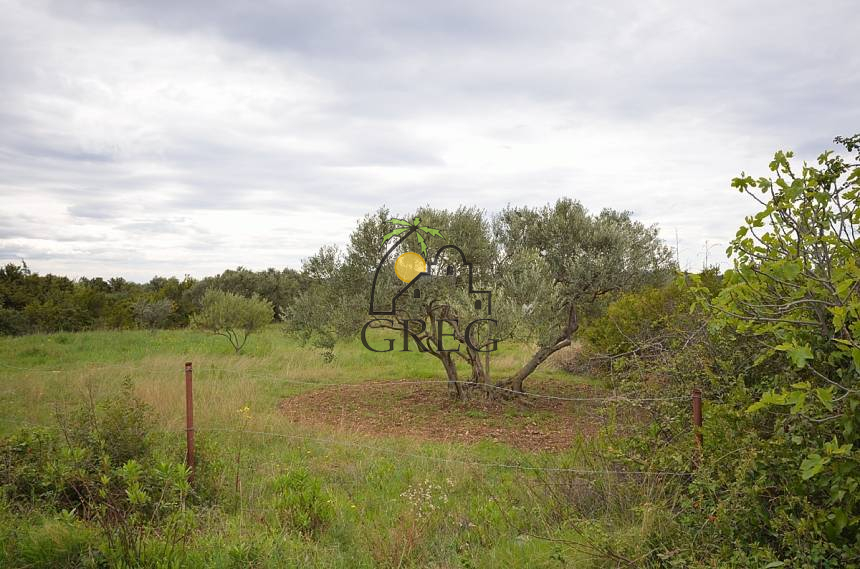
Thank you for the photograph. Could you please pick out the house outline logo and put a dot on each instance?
(412, 269)
(484, 303)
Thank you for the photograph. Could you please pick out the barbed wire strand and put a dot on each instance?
(620, 398)
(32, 369)
(375, 448)
(88, 366)
(612, 398)
(481, 464)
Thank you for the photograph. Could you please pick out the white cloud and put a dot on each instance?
(162, 138)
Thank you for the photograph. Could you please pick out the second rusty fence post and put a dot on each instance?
(189, 421)
(697, 423)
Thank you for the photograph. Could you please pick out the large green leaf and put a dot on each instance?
(767, 399)
(812, 465)
(855, 355)
(798, 354)
(825, 395)
(423, 244)
(397, 231)
(431, 231)
(396, 221)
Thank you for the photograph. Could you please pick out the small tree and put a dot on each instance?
(233, 316)
(152, 315)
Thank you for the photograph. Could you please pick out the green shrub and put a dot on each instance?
(39, 466)
(301, 504)
(153, 314)
(650, 326)
(117, 428)
(794, 293)
(13, 322)
(778, 481)
(142, 513)
(103, 469)
(244, 555)
(24, 459)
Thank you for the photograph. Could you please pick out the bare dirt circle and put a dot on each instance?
(427, 411)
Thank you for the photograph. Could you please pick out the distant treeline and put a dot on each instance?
(31, 303)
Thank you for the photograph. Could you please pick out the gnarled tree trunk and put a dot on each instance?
(515, 382)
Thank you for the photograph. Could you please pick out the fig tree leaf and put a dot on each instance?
(825, 395)
(812, 465)
(798, 354)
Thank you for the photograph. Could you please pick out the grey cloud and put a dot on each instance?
(159, 227)
(729, 79)
(334, 29)
(627, 59)
(92, 210)
(31, 227)
(59, 153)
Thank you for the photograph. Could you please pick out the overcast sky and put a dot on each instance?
(171, 138)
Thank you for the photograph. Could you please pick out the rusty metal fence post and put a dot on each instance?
(697, 424)
(189, 421)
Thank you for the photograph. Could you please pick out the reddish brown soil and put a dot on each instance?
(428, 412)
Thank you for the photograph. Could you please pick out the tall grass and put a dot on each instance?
(489, 516)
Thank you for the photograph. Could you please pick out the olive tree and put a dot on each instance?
(233, 316)
(561, 263)
(337, 300)
(544, 267)
(279, 286)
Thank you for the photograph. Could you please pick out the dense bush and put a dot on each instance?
(301, 504)
(657, 341)
(778, 357)
(13, 322)
(794, 294)
(24, 474)
(98, 469)
(153, 314)
(47, 303)
(62, 469)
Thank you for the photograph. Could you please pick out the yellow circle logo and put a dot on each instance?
(408, 266)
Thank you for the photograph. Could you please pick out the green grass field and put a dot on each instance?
(397, 500)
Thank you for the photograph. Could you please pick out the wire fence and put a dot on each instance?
(447, 460)
(613, 398)
(86, 367)
(488, 386)
(328, 441)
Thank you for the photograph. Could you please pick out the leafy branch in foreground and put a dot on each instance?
(790, 492)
